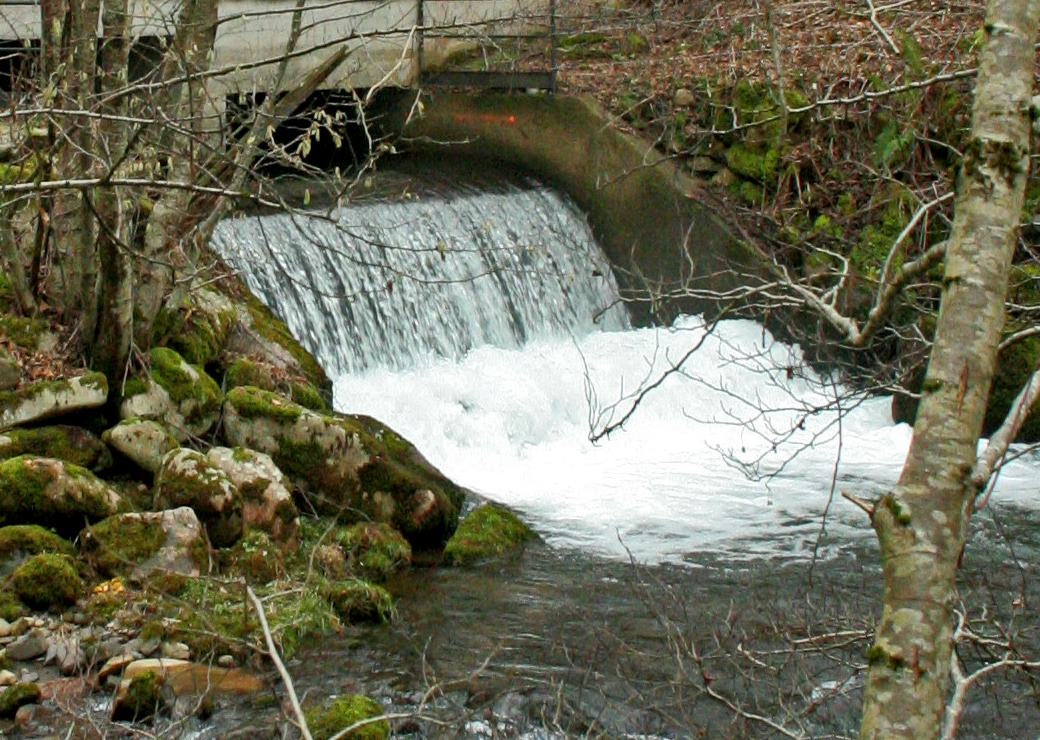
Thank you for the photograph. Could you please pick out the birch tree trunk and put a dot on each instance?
(922, 524)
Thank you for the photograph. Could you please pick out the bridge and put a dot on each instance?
(403, 43)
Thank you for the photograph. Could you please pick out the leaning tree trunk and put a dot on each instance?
(922, 525)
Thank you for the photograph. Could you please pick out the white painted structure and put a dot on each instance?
(382, 35)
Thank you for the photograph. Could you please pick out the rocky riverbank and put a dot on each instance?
(158, 538)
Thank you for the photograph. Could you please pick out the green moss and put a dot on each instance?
(170, 371)
(25, 332)
(252, 403)
(119, 543)
(134, 387)
(22, 486)
(30, 539)
(198, 334)
(489, 531)
(143, 699)
(307, 396)
(197, 483)
(343, 712)
(356, 600)
(70, 444)
(17, 696)
(246, 372)
(749, 193)
(271, 328)
(753, 163)
(255, 558)
(871, 251)
(10, 607)
(375, 549)
(47, 580)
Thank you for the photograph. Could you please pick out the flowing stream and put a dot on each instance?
(483, 323)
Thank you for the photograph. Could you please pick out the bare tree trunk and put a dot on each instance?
(922, 524)
(171, 220)
(111, 347)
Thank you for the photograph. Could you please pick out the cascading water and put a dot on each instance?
(466, 320)
(396, 283)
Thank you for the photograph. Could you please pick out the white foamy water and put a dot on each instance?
(513, 424)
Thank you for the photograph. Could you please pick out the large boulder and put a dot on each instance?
(20, 541)
(187, 478)
(352, 467)
(41, 490)
(143, 544)
(489, 531)
(180, 395)
(71, 444)
(143, 441)
(47, 399)
(196, 324)
(250, 371)
(267, 503)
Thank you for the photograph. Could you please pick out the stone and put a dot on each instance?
(196, 324)
(10, 372)
(25, 715)
(180, 395)
(143, 441)
(47, 399)
(488, 531)
(245, 371)
(31, 645)
(141, 544)
(183, 677)
(704, 165)
(724, 178)
(115, 665)
(374, 549)
(683, 98)
(175, 650)
(351, 467)
(66, 653)
(5, 628)
(224, 661)
(17, 696)
(47, 580)
(340, 712)
(188, 478)
(20, 626)
(41, 490)
(267, 503)
(7, 678)
(68, 443)
(259, 334)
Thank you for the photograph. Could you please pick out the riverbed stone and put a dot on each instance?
(180, 395)
(267, 503)
(62, 442)
(31, 645)
(141, 544)
(352, 467)
(143, 441)
(15, 697)
(188, 478)
(488, 531)
(47, 399)
(179, 678)
(40, 490)
(327, 720)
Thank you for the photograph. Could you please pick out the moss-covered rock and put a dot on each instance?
(71, 444)
(352, 467)
(246, 371)
(22, 540)
(146, 545)
(61, 495)
(374, 549)
(139, 698)
(28, 333)
(179, 394)
(343, 712)
(14, 697)
(356, 600)
(47, 580)
(10, 370)
(488, 531)
(196, 324)
(267, 504)
(255, 558)
(759, 164)
(47, 399)
(187, 478)
(10, 607)
(142, 441)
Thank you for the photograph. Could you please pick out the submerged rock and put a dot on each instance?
(139, 545)
(68, 443)
(36, 490)
(47, 399)
(180, 395)
(266, 501)
(356, 600)
(342, 712)
(352, 467)
(143, 441)
(488, 531)
(188, 478)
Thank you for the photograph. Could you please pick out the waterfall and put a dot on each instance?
(396, 283)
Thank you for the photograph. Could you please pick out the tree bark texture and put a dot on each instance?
(922, 524)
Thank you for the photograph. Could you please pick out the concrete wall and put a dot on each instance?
(644, 212)
(379, 33)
